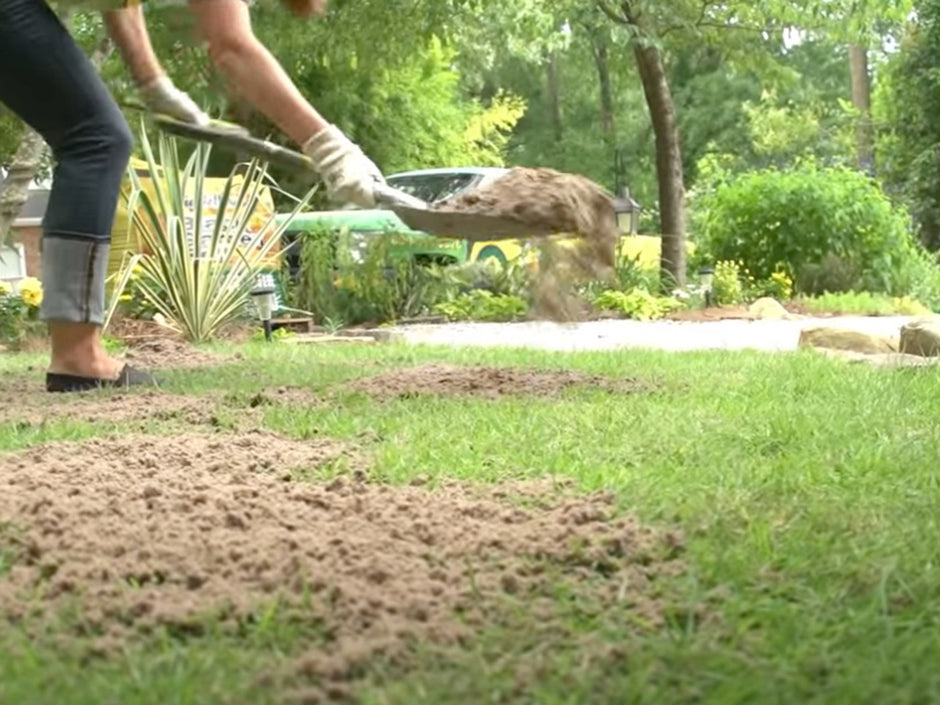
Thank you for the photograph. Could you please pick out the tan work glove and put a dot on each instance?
(350, 176)
(161, 96)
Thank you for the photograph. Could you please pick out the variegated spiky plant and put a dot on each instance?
(199, 282)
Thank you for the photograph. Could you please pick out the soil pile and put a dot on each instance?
(490, 382)
(553, 202)
(140, 532)
(169, 353)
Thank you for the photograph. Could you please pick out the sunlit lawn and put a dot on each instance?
(808, 491)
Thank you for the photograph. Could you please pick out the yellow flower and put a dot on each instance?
(5, 289)
(30, 291)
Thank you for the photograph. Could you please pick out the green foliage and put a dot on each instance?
(19, 311)
(864, 303)
(376, 286)
(11, 131)
(514, 278)
(727, 287)
(278, 334)
(782, 132)
(199, 280)
(906, 104)
(370, 281)
(483, 305)
(629, 274)
(799, 219)
(132, 300)
(779, 285)
(423, 120)
(637, 303)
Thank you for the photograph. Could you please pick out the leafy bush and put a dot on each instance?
(514, 278)
(733, 284)
(638, 303)
(727, 287)
(126, 293)
(483, 305)
(630, 272)
(905, 103)
(19, 311)
(779, 285)
(798, 220)
(376, 286)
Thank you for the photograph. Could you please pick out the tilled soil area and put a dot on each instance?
(490, 382)
(139, 533)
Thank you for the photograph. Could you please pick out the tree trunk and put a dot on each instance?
(602, 61)
(29, 157)
(861, 99)
(553, 81)
(668, 163)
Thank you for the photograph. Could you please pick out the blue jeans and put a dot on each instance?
(48, 81)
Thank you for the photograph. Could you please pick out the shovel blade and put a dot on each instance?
(475, 227)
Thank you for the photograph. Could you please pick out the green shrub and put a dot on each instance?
(630, 273)
(19, 311)
(510, 279)
(378, 287)
(727, 287)
(833, 228)
(483, 305)
(638, 303)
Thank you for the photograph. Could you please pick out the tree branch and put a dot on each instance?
(612, 14)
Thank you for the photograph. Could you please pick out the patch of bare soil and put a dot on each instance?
(170, 353)
(284, 396)
(24, 401)
(491, 382)
(35, 407)
(140, 533)
(557, 202)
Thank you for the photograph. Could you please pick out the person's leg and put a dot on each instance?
(50, 83)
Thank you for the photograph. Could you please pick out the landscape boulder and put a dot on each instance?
(845, 339)
(768, 309)
(881, 359)
(921, 337)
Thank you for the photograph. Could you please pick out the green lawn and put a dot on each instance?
(808, 491)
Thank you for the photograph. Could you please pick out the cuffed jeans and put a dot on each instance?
(48, 81)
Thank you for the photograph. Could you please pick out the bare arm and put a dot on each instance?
(129, 32)
(252, 70)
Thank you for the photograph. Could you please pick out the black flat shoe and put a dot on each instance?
(129, 377)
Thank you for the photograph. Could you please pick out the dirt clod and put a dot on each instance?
(555, 202)
(491, 382)
(139, 533)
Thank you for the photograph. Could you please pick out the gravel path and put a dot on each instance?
(660, 335)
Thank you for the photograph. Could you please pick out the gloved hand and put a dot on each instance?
(161, 96)
(350, 176)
